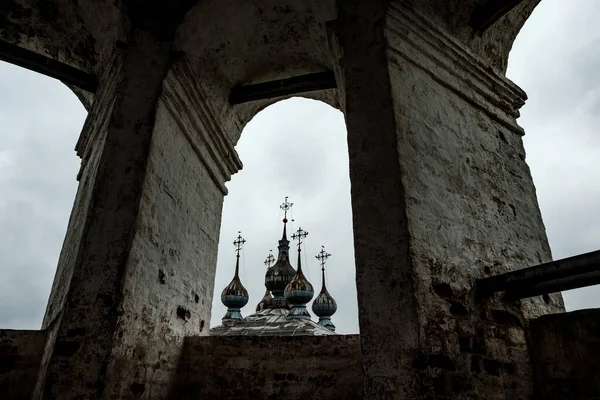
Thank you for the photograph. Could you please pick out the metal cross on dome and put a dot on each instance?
(322, 257)
(286, 206)
(299, 236)
(238, 243)
(270, 259)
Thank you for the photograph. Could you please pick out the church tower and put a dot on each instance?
(282, 311)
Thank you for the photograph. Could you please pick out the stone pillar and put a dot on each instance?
(136, 272)
(441, 195)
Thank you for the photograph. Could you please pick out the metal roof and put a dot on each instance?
(271, 322)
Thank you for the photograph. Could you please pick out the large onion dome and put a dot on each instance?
(299, 291)
(325, 306)
(282, 272)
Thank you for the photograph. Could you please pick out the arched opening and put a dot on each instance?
(296, 148)
(560, 120)
(40, 121)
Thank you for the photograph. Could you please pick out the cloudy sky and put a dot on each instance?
(297, 148)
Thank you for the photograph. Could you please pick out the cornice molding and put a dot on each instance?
(187, 102)
(419, 41)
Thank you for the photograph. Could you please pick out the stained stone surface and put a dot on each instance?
(566, 355)
(20, 356)
(259, 367)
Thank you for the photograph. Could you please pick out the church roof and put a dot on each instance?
(282, 310)
(271, 322)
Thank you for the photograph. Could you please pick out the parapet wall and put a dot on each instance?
(270, 367)
(565, 350)
(20, 357)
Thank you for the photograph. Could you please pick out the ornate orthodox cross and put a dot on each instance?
(322, 257)
(299, 236)
(286, 207)
(270, 259)
(238, 243)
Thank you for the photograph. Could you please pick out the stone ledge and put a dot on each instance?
(565, 350)
(260, 367)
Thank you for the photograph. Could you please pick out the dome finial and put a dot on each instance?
(281, 273)
(270, 259)
(235, 295)
(285, 206)
(324, 305)
(267, 300)
(299, 291)
(300, 235)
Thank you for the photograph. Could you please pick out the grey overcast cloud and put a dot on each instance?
(297, 148)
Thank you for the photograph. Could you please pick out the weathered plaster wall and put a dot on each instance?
(471, 208)
(262, 40)
(168, 284)
(89, 148)
(82, 35)
(565, 350)
(252, 367)
(90, 302)
(20, 357)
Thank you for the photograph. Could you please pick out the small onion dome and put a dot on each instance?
(234, 297)
(266, 301)
(298, 293)
(282, 272)
(324, 307)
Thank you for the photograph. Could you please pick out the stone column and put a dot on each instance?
(441, 195)
(137, 268)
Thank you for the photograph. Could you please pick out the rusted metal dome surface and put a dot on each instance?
(324, 305)
(299, 290)
(235, 294)
(266, 301)
(282, 272)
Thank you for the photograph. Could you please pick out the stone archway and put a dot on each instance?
(296, 148)
(440, 192)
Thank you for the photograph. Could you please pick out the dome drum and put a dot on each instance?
(326, 322)
(232, 315)
(298, 293)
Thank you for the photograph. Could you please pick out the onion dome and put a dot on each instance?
(324, 305)
(235, 295)
(299, 291)
(282, 272)
(266, 302)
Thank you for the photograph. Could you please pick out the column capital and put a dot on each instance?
(185, 99)
(415, 38)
